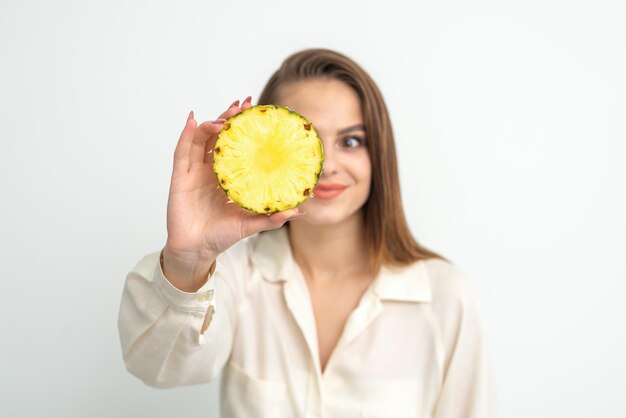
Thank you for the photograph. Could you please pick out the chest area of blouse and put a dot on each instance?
(386, 356)
(277, 328)
(332, 304)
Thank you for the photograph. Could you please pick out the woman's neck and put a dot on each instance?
(329, 252)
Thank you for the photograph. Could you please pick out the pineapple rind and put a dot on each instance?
(289, 175)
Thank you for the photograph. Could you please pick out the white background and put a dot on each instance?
(510, 123)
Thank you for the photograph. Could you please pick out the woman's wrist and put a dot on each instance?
(186, 272)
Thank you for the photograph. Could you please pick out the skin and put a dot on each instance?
(327, 242)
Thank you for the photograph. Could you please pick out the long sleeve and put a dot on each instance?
(467, 390)
(161, 327)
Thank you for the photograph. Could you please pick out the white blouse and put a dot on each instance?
(412, 347)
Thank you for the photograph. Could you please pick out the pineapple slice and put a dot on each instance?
(268, 159)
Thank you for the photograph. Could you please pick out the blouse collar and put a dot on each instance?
(270, 252)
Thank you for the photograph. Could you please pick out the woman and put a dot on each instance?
(334, 310)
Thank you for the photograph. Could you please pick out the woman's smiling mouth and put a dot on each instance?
(328, 191)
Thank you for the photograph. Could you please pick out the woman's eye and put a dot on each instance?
(352, 142)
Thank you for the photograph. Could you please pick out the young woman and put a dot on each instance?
(334, 310)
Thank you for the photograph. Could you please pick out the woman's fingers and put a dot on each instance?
(181, 154)
(232, 110)
(203, 138)
(259, 223)
(197, 140)
(247, 103)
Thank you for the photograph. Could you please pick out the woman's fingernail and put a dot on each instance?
(190, 115)
(248, 100)
(235, 103)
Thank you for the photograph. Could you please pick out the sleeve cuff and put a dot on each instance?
(190, 302)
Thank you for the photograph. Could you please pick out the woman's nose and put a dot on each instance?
(330, 165)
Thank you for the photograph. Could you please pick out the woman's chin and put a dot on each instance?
(318, 220)
(319, 215)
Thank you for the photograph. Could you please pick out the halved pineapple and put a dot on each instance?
(268, 159)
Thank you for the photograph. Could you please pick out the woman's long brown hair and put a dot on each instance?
(387, 233)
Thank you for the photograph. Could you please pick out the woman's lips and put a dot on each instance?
(328, 191)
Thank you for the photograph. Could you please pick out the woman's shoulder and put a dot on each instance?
(449, 283)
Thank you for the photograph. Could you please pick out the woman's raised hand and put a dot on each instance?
(201, 223)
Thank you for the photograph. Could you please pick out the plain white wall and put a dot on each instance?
(510, 127)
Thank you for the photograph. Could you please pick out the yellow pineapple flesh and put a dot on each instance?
(268, 159)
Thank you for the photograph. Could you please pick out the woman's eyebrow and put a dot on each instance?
(359, 127)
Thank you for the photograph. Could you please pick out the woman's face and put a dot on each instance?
(335, 111)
